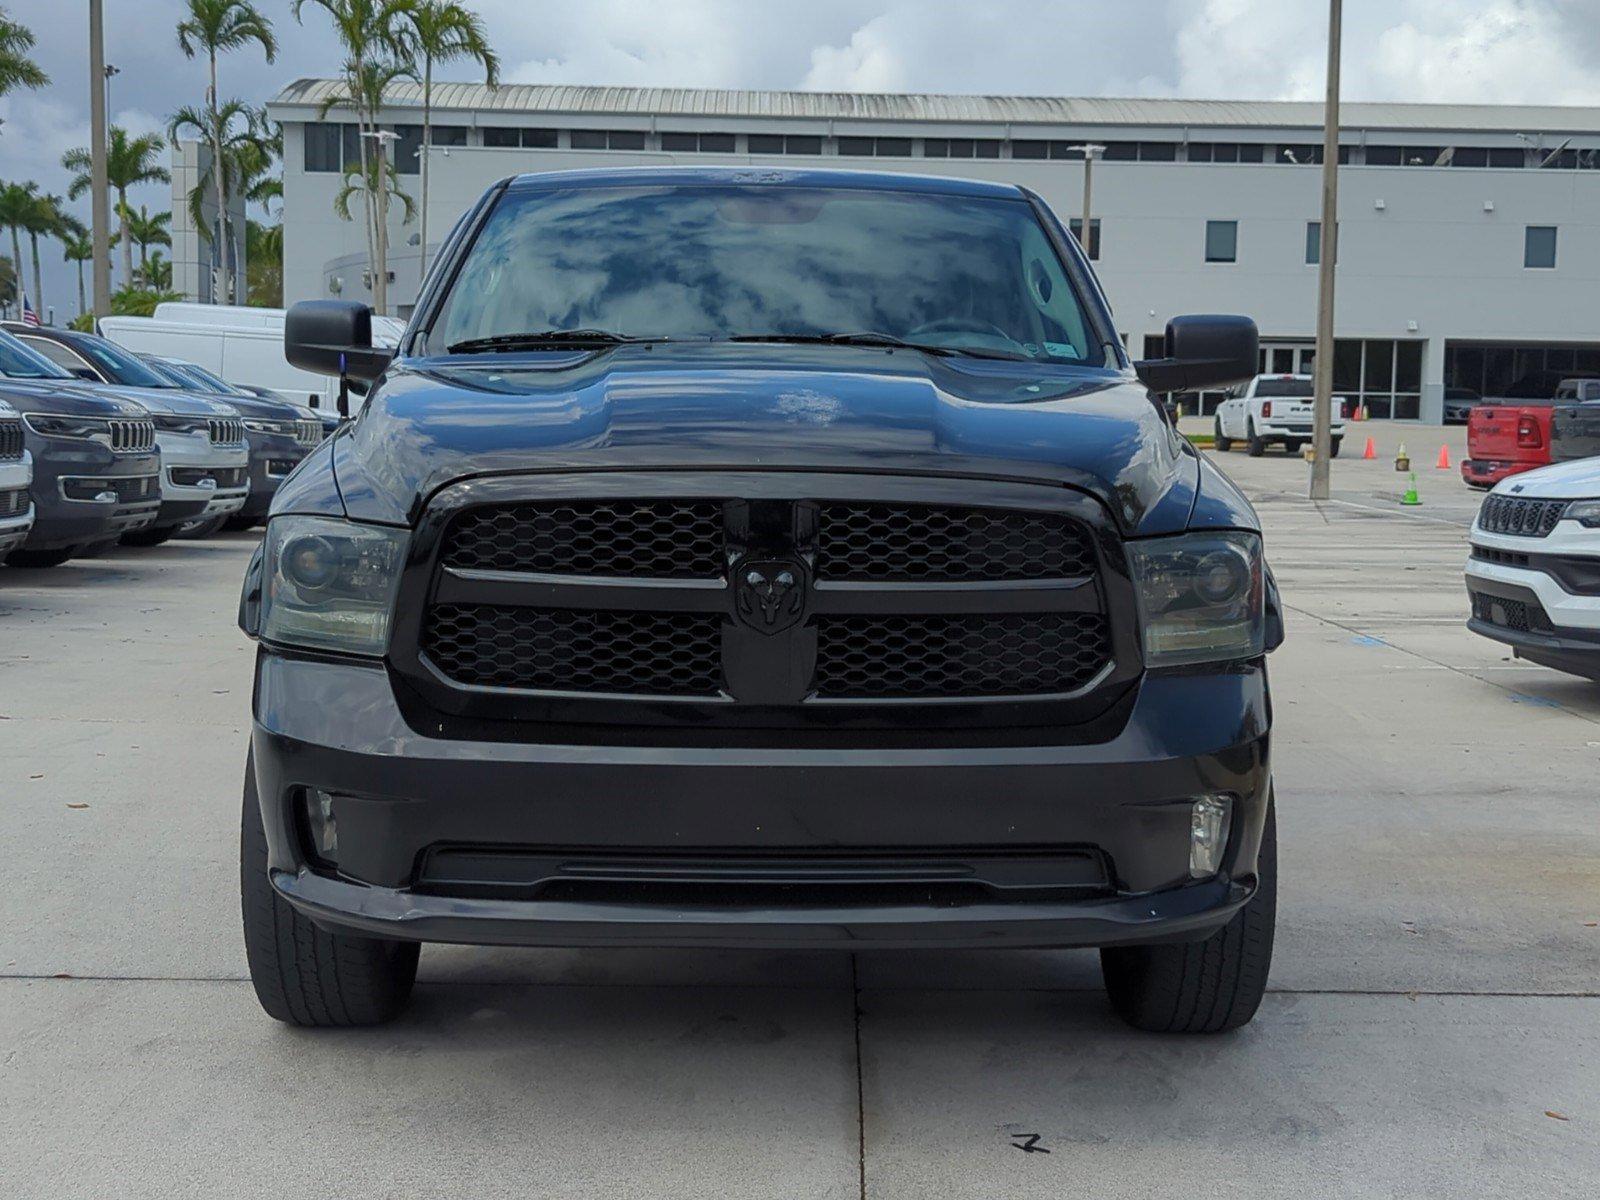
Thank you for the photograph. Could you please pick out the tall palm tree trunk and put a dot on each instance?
(224, 283)
(427, 144)
(38, 276)
(16, 264)
(83, 295)
(127, 239)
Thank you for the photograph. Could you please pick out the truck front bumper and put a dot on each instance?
(552, 843)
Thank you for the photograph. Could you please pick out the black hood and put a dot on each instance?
(68, 398)
(761, 407)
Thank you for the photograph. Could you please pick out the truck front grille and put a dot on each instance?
(225, 477)
(227, 431)
(133, 436)
(308, 433)
(1520, 516)
(1520, 616)
(10, 439)
(799, 602)
(13, 502)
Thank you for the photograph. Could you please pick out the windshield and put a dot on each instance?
(720, 262)
(1283, 387)
(20, 362)
(205, 378)
(119, 364)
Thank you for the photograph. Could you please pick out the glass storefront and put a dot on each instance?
(1384, 374)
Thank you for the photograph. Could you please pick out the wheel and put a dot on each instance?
(1202, 987)
(240, 524)
(304, 975)
(205, 529)
(1333, 447)
(148, 537)
(38, 560)
(1256, 447)
(1219, 441)
(1291, 446)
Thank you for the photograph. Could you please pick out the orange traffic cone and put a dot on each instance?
(1372, 449)
(1444, 458)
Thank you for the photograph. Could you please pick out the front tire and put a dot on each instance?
(240, 524)
(39, 560)
(148, 537)
(1256, 447)
(1333, 447)
(1202, 987)
(304, 975)
(1218, 440)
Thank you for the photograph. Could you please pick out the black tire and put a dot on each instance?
(1291, 446)
(240, 524)
(304, 975)
(1224, 444)
(39, 560)
(194, 533)
(1254, 447)
(1202, 987)
(1333, 447)
(148, 537)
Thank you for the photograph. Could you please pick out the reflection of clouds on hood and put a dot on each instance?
(680, 261)
(812, 407)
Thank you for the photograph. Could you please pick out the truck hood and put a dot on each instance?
(1575, 480)
(170, 401)
(69, 398)
(757, 407)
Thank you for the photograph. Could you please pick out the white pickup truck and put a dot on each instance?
(1274, 408)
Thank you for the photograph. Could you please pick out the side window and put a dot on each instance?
(58, 354)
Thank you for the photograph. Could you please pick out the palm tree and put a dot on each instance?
(148, 230)
(371, 34)
(130, 162)
(79, 248)
(44, 218)
(441, 31)
(17, 202)
(214, 26)
(377, 178)
(16, 68)
(159, 273)
(265, 264)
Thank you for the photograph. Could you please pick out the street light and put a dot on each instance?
(1089, 150)
(380, 268)
(99, 199)
(1327, 243)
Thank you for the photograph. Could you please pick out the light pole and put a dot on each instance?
(380, 268)
(1327, 252)
(99, 185)
(1089, 150)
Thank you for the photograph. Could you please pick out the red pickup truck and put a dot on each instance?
(1510, 434)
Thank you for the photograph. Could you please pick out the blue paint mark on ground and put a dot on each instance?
(1362, 639)
(1536, 701)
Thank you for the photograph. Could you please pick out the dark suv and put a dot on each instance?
(96, 471)
(761, 559)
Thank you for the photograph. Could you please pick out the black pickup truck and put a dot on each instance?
(760, 559)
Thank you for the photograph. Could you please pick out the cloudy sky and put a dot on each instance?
(1536, 51)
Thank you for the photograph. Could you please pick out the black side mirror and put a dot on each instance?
(333, 337)
(1203, 353)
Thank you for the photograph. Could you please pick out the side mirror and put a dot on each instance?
(333, 337)
(1203, 353)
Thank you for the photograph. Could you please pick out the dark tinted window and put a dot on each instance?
(539, 139)
(766, 143)
(1507, 156)
(1283, 387)
(405, 152)
(1030, 149)
(449, 135)
(1469, 156)
(322, 147)
(19, 361)
(721, 261)
(1121, 152)
(588, 139)
(1539, 246)
(119, 365)
(1158, 151)
(1222, 241)
(502, 138)
(855, 145)
(802, 144)
(716, 143)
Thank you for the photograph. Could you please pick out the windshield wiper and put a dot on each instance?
(548, 338)
(868, 338)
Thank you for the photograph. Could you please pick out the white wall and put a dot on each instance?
(1431, 256)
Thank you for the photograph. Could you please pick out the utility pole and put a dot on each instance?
(1327, 253)
(1089, 150)
(99, 190)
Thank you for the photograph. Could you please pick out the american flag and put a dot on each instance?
(29, 317)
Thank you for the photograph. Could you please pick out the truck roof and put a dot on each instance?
(877, 181)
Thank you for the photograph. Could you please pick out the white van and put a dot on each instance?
(241, 344)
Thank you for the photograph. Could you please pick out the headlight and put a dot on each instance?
(48, 425)
(181, 424)
(330, 584)
(270, 426)
(1201, 597)
(1584, 512)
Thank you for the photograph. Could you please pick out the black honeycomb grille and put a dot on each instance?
(908, 657)
(1521, 616)
(659, 539)
(885, 542)
(1520, 516)
(656, 654)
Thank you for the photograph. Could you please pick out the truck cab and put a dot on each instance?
(1274, 409)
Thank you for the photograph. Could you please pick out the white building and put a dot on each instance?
(193, 256)
(1469, 234)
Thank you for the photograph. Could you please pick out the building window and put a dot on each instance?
(532, 139)
(1158, 151)
(405, 152)
(1222, 241)
(785, 143)
(961, 148)
(1075, 226)
(856, 146)
(1314, 243)
(1507, 156)
(448, 135)
(1030, 148)
(1539, 246)
(501, 139)
(680, 141)
(323, 145)
(607, 139)
(705, 143)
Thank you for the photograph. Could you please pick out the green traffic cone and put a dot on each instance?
(1411, 496)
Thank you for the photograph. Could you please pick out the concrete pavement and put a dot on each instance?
(1436, 989)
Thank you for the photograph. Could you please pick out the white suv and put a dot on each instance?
(1534, 573)
(1273, 408)
(16, 474)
